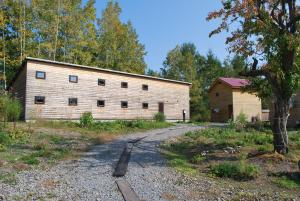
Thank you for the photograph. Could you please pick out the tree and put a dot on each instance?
(118, 45)
(181, 64)
(268, 32)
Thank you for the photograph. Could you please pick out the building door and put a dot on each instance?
(230, 112)
(161, 107)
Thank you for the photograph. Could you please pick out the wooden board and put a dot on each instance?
(126, 190)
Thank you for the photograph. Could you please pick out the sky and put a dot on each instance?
(162, 24)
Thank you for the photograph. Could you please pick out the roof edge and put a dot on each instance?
(106, 70)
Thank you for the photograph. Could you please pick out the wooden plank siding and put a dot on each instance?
(241, 101)
(57, 90)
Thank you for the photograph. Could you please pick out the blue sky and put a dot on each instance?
(162, 24)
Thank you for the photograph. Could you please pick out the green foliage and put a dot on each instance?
(241, 121)
(159, 117)
(30, 159)
(8, 178)
(86, 119)
(10, 108)
(238, 171)
(196, 159)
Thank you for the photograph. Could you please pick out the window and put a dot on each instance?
(101, 82)
(39, 100)
(124, 104)
(145, 105)
(124, 84)
(73, 78)
(145, 87)
(217, 94)
(73, 101)
(100, 103)
(40, 75)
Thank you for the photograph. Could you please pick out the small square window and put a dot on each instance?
(217, 94)
(39, 100)
(73, 101)
(124, 84)
(73, 78)
(40, 75)
(101, 82)
(145, 87)
(145, 105)
(124, 104)
(100, 103)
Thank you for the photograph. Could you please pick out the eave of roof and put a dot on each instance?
(106, 70)
(226, 83)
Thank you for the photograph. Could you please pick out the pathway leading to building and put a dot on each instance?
(90, 178)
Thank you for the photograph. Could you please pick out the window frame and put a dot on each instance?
(145, 105)
(100, 105)
(37, 77)
(39, 103)
(145, 87)
(122, 106)
(124, 85)
(101, 80)
(70, 76)
(69, 102)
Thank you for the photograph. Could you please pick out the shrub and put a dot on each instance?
(18, 136)
(2, 148)
(237, 171)
(241, 121)
(4, 138)
(86, 119)
(197, 159)
(160, 117)
(10, 108)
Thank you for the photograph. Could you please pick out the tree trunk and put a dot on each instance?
(281, 114)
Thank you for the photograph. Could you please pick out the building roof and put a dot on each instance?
(105, 70)
(235, 83)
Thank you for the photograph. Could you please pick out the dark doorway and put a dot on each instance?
(230, 112)
(161, 107)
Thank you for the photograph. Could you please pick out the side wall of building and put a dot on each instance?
(220, 98)
(18, 89)
(247, 103)
(57, 90)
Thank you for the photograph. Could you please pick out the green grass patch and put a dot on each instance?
(287, 182)
(30, 159)
(241, 171)
(8, 178)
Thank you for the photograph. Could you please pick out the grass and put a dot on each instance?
(8, 178)
(46, 142)
(241, 171)
(243, 155)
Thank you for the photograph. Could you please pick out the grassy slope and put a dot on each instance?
(245, 155)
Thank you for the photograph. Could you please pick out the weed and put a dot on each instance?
(30, 159)
(86, 119)
(238, 171)
(8, 178)
(160, 117)
(197, 159)
(287, 182)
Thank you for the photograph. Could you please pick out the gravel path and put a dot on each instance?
(90, 178)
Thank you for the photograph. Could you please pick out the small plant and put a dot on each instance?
(10, 109)
(197, 159)
(30, 159)
(241, 121)
(2, 147)
(86, 119)
(286, 182)
(237, 171)
(159, 117)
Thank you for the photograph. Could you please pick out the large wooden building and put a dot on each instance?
(228, 100)
(56, 90)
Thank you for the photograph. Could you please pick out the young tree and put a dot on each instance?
(118, 45)
(268, 32)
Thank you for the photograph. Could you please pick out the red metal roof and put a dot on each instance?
(235, 82)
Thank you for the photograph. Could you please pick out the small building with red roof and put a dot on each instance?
(228, 100)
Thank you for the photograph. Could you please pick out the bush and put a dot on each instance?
(86, 119)
(160, 117)
(241, 121)
(237, 171)
(10, 108)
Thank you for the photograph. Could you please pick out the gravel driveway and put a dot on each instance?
(90, 178)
